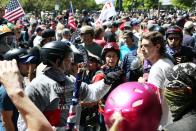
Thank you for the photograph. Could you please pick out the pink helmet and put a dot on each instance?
(138, 104)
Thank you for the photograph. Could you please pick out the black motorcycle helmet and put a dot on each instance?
(135, 69)
(20, 54)
(180, 21)
(186, 16)
(159, 29)
(84, 12)
(54, 50)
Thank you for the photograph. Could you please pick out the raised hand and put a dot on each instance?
(10, 75)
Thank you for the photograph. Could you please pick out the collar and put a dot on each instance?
(55, 74)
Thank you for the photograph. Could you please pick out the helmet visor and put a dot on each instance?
(9, 40)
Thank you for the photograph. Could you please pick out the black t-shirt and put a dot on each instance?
(186, 54)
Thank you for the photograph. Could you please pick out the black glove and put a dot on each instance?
(112, 77)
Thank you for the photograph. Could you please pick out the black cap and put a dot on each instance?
(38, 29)
(48, 33)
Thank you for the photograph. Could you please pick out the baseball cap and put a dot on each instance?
(86, 29)
(188, 25)
(135, 21)
(127, 24)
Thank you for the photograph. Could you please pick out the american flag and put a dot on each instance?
(71, 20)
(13, 11)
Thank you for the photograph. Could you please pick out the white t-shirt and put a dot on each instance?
(37, 40)
(157, 77)
(40, 69)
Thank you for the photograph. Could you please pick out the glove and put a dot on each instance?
(112, 77)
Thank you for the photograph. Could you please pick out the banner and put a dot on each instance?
(107, 12)
(103, 1)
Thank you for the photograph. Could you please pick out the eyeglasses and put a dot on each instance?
(173, 38)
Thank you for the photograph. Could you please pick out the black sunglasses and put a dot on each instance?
(175, 38)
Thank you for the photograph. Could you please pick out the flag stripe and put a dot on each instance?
(71, 20)
(16, 17)
(13, 11)
(13, 14)
(8, 13)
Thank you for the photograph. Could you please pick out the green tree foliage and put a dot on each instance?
(148, 4)
(3, 3)
(127, 4)
(86, 4)
(49, 5)
(37, 5)
(141, 4)
(183, 4)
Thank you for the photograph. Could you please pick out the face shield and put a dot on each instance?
(7, 42)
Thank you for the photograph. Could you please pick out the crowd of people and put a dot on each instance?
(135, 72)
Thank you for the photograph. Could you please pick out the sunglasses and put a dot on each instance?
(173, 38)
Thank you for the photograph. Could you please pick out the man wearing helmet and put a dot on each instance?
(47, 36)
(9, 113)
(52, 91)
(174, 48)
(158, 28)
(85, 19)
(7, 39)
(180, 21)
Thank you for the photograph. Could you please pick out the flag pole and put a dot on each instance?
(71, 7)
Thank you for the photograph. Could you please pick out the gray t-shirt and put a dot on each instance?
(94, 49)
(51, 97)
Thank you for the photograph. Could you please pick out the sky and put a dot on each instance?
(166, 2)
